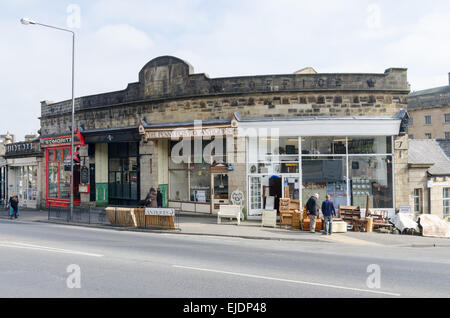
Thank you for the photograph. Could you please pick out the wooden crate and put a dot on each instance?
(296, 219)
(154, 221)
(307, 222)
(121, 216)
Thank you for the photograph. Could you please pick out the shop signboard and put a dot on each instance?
(160, 211)
(84, 175)
(83, 188)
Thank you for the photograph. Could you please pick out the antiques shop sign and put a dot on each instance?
(159, 212)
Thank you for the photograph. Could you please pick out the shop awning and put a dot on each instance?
(323, 126)
(110, 135)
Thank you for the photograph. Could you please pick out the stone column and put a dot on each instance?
(237, 179)
(85, 197)
(148, 167)
(401, 180)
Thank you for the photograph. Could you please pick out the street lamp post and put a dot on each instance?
(26, 21)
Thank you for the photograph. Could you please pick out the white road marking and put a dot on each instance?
(47, 249)
(287, 280)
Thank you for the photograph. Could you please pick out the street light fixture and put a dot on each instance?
(27, 21)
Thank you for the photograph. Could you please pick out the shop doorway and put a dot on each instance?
(219, 190)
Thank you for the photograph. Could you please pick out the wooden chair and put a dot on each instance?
(352, 216)
(285, 213)
(380, 219)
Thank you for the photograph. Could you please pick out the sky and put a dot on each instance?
(115, 39)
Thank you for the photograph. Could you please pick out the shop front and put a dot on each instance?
(113, 164)
(23, 173)
(192, 161)
(351, 160)
(58, 159)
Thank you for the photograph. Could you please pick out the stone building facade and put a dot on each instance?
(430, 113)
(170, 96)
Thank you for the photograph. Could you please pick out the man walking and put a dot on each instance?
(328, 212)
(312, 208)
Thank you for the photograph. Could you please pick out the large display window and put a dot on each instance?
(349, 169)
(58, 175)
(371, 176)
(325, 175)
(189, 173)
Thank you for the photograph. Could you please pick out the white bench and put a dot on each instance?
(230, 212)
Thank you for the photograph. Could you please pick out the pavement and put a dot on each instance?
(205, 225)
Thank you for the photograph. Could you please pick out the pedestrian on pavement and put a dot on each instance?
(159, 198)
(13, 206)
(328, 212)
(153, 198)
(312, 209)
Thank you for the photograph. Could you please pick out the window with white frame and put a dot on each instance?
(446, 202)
(447, 118)
(417, 200)
(427, 120)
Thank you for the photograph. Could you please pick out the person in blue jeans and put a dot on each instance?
(328, 212)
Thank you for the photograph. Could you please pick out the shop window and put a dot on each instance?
(58, 173)
(325, 175)
(417, 200)
(200, 182)
(323, 145)
(178, 185)
(371, 176)
(51, 155)
(370, 145)
(123, 172)
(446, 202)
(274, 149)
(428, 136)
(53, 181)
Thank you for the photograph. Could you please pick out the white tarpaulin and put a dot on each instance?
(433, 225)
(404, 221)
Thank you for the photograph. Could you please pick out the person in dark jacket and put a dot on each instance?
(153, 202)
(13, 206)
(159, 198)
(328, 212)
(312, 208)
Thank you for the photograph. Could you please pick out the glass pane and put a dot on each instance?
(371, 176)
(59, 155)
(220, 186)
(125, 185)
(294, 187)
(64, 182)
(325, 175)
(273, 148)
(133, 149)
(369, 145)
(200, 182)
(323, 145)
(255, 195)
(53, 180)
(51, 155)
(114, 165)
(178, 185)
(134, 188)
(133, 162)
